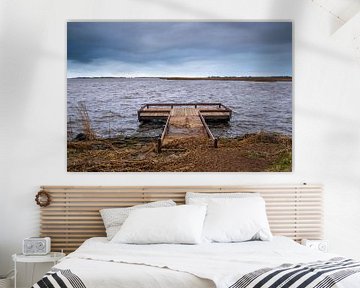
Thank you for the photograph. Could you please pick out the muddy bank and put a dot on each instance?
(258, 152)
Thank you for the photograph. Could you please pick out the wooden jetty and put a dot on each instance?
(185, 120)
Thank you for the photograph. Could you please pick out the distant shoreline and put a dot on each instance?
(248, 78)
(216, 78)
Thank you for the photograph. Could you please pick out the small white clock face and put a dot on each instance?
(40, 245)
(323, 247)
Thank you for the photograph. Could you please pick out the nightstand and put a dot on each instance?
(53, 257)
(320, 245)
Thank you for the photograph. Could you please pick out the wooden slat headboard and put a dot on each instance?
(73, 215)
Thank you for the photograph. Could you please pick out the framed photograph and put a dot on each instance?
(179, 96)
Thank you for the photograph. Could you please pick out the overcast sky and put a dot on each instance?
(179, 48)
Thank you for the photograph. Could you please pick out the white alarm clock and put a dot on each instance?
(36, 246)
(320, 245)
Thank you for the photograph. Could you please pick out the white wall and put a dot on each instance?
(33, 107)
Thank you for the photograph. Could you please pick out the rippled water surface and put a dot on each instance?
(113, 104)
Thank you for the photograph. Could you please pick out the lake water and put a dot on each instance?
(113, 104)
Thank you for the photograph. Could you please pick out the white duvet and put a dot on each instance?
(100, 263)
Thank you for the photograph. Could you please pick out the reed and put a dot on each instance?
(85, 121)
(70, 133)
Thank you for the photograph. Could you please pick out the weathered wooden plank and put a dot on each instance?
(184, 120)
(211, 111)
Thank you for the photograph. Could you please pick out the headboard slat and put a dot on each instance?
(73, 216)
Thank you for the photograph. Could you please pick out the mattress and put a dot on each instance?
(99, 263)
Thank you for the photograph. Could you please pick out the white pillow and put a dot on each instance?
(180, 224)
(113, 218)
(236, 220)
(204, 198)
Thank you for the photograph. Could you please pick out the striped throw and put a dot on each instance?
(59, 278)
(320, 274)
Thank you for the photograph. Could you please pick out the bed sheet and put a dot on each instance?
(100, 263)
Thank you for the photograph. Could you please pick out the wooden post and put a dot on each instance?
(215, 143)
(159, 145)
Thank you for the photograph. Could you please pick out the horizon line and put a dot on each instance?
(214, 76)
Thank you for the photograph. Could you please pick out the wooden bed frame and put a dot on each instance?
(73, 214)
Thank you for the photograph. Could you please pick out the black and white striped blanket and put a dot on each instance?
(59, 278)
(320, 274)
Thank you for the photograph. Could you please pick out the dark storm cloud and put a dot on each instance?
(171, 43)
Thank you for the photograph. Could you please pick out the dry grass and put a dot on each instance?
(253, 152)
(85, 121)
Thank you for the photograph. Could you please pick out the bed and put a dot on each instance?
(295, 211)
(99, 263)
